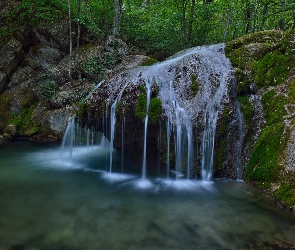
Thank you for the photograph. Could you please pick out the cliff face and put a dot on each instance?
(265, 72)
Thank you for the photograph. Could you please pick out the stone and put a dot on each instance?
(3, 80)
(10, 130)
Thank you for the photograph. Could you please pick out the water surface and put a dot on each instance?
(49, 201)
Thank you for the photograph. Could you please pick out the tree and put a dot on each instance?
(118, 4)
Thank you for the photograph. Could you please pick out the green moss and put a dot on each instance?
(140, 108)
(263, 167)
(23, 122)
(269, 36)
(149, 61)
(246, 109)
(271, 69)
(194, 85)
(155, 110)
(292, 92)
(273, 107)
(286, 194)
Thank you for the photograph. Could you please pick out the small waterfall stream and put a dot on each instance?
(191, 117)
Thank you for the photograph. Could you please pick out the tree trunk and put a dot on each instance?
(78, 34)
(229, 14)
(71, 42)
(117, 17)
(190, 28)
(183, 24)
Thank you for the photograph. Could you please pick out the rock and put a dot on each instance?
(11, 56)
(44, 57)
(10, 130)
(117, 48)
(3, 80)
(21, 75)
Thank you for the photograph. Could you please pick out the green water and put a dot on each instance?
(48, 201)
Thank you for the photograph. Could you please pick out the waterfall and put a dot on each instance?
(193, 87)
(239, 142)
(113, 123)
(148, 97)
(69, 138)
(122, 142)
(168, 131)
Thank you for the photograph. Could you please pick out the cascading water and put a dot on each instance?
(191, 115)
(148, 97)
(69, 138)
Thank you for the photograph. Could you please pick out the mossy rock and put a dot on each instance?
(23, 122)
(264, 167)
(155, 110)
(268, 36)
(149, 61)
(140, 108)
(246, 109)
(194, 85)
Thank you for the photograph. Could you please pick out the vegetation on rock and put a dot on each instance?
(268, 70)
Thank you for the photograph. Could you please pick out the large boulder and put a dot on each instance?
(265, 69)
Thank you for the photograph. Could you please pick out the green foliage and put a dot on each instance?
(97, 65)
(33, 12)
(140, 108)
(48, 90)
(194, 85)
(155, 110)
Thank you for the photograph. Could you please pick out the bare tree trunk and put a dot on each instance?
(183, 23)
(190, 28)
(117, 17)
(79, 34)
(227, 24)
(71, 42)
(79, 28)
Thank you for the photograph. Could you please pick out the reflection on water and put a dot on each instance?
(49, 201)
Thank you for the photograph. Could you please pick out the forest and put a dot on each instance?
(158, 27)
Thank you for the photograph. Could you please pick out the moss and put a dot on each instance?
(23, 122)
(269, 36)
(246, 109)
(286, 194)
(194, 85)
(273, 107)
(140, 108)
(155, 110)
(149, 61)
(271, 69)
(292, 91)
(263, 167)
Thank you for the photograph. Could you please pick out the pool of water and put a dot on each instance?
(50, 201)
